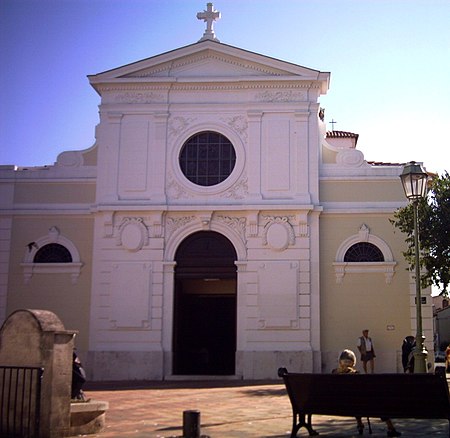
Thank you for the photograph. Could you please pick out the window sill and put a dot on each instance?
(343, 268)
(72, 269)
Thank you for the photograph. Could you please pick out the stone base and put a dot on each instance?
(87, 418)
(123, 365)
(261, 365)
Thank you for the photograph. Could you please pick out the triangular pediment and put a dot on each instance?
(207, 63)
(209, 60)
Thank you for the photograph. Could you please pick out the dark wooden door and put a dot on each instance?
(204, 341)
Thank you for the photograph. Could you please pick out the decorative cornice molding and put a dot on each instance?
(222, 84)
(282, 96)
(139, 97)
(139, 86)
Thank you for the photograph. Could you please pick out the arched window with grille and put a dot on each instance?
(52, 254)
(364, 253)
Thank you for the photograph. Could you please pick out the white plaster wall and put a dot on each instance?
(275, 135)
(273, 315)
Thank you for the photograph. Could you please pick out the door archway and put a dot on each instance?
(204, 332)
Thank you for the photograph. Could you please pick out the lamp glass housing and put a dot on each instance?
(414, 181)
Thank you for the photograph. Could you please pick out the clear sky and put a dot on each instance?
(389, 62)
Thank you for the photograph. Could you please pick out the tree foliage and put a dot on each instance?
(434, 234)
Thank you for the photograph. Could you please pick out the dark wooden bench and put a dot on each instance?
(422, 396)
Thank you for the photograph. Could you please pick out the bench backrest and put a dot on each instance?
(373, 395)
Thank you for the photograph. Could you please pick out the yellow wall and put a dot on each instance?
(54, 193)
(55, 292)
(356, 304)
(90, 156)
(328, 156)
(361, 191)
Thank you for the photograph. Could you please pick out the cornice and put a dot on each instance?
(223, 86)
(145, 206)
(84, 210)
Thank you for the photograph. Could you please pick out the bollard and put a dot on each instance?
(191, 424)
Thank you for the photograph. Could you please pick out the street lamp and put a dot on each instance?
(414, 181)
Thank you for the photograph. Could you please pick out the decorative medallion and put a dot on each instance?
(278, 233)
(350, 157)
(132, 234)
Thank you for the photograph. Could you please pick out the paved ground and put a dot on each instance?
(227, 410)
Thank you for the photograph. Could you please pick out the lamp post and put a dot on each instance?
(414, 181)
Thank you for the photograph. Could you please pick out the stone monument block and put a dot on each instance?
(37, 338)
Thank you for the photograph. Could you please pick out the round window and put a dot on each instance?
(207, 158)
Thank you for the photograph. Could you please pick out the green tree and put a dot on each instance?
(434, 234)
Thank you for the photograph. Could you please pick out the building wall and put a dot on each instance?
(288, 207)
(56, 291)
(42, 205)
(442, 322)
(235, 209)
(380, 300)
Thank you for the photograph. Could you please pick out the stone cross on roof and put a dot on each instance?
(210, 15)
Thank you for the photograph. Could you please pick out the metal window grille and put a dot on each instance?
(363, 252)
(20, 395)
(207, 158)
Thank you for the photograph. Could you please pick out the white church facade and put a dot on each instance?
(214, 228)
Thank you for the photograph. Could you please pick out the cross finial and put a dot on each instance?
(332, 124)
(210, 15)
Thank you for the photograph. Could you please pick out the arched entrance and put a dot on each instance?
(204, 335)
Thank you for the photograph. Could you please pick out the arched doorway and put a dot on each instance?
(204, 335)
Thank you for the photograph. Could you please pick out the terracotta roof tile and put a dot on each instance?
(383, 163)
(342, 134)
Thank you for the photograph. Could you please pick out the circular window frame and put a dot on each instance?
(228, 182)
